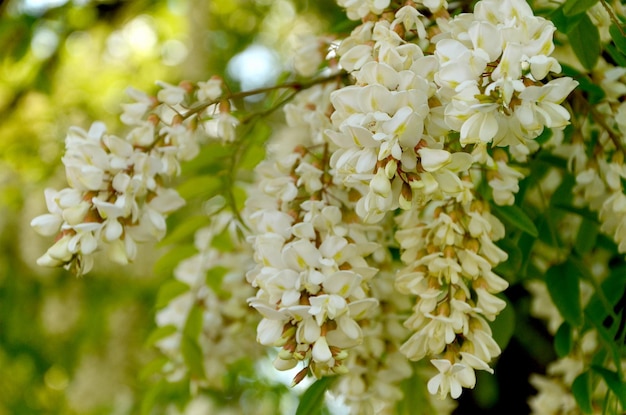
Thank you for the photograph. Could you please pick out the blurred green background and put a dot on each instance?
(75, 345)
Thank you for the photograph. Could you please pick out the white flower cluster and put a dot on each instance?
(359, 9)
(216, 298)
(311, 272)
(492, 63)
(376, 367)
(449, 256)
(402, 128)
(117, 195)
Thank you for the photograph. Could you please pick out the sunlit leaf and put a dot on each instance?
(160, 333)
(185, 229)
(170, 290)
(193, 325)
(192, 354)
(312, 400)
(164, 266)
(199, 187)
(152, 368)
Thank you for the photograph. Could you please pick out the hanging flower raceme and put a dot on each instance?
(312, 278)
(385, 152)
(117, 195)
(493, 65)
(449, 256)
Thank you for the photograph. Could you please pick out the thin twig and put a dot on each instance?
(296, 86)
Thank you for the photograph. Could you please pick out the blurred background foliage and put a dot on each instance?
(75, 346)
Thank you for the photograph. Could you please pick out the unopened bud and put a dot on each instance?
(177, 119)
(224, 106)
(449, 252)
(186, 85)
(340, 369)
(472, 244)
(153, 119)
(300, 376)
(500, 155)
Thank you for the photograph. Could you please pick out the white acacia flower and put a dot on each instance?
(170, 94)
(211, 89)
(451, 378)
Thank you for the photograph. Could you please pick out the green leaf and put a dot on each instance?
(255, 145)
(594, 92)
(222, 241)
(564, 23)
(511, 267)
(192, 354)
(564, 288)
(214, 278)
(574, 7)
(168, 291)
(312, 400)
(616, 55)
(618, 38)
(185, 229)
(503, 326)
(152, 368)
(416, 399)
(160, 333)
(151, 396)
(201, 187)
(209, 161)
(563, 340)
(518, 218)
(614, 382)
(586, 237)
(581, 388)
(193, 325)
(487, 390)
(585, 41)
(164, 266)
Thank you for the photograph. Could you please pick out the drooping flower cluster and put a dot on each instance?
(312, 276)
(117, 195)
(449, 256)
(385, 150)
(373, 384)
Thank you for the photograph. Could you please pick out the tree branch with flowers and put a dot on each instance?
(427, 161)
